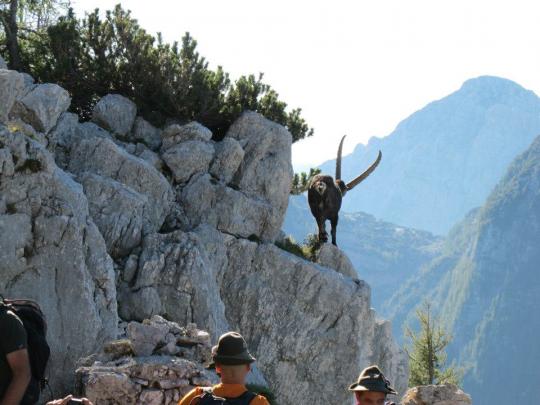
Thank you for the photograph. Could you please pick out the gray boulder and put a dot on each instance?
(175, 134)
(188, 158)
(266, 171)
(146, 133)
(115, 113)
(229, 156)
(332, 257)
(51, 251)
(102, 156)
(436, 395)
(208, 201)
(11, 86)
(42, 105)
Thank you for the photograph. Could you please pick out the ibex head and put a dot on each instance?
(344, 187)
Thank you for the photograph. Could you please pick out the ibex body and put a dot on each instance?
(325, 195)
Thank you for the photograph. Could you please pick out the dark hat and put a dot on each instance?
(231, 350)
(372, 379)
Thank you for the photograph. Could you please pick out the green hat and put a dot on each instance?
(231, 350)
(372, 379)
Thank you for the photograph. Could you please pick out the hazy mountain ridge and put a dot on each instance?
(444, 159)
(486, 285)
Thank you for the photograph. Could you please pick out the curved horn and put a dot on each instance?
(338, 160)
(364, 175)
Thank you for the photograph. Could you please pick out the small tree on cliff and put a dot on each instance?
(427, 356)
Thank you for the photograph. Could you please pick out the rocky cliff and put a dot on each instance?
(115, 219)
(486, 286)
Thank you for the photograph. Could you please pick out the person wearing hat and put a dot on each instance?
(233, 363)
(372, 387)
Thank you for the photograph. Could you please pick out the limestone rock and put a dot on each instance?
(51, 251)
(102, 156)
(332, 257)
(42, 106)
(146, 133)
(436, 395)
(174, 279)
(118, 211)
(150, 156)
(115, 113)
(175, 134)
(152, 378)
(11, 85)
(188, 158)
(326, 313)
(266, 170)
(207, 201)
(229, 155)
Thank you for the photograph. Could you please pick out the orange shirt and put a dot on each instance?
(224, 390)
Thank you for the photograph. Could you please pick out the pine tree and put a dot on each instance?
(427, 355)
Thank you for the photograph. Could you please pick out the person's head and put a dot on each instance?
(232, 358)
(371, 387)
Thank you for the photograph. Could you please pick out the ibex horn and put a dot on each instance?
(364, 175)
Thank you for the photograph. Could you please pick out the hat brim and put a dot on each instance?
(244, 358)
(373, 388)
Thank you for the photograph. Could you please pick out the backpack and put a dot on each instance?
(208, 398)
(38, 349)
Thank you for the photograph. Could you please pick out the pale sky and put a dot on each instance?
(354, 67)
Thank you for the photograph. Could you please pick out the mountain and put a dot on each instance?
(444, 160)
(384, 254)
(486, 284)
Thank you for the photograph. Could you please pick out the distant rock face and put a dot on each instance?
(51, 251)
(487, 273)
(3, 64)
(444, 159)
(115, 113)
(436, 395)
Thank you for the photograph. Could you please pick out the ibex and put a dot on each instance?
(325, 194)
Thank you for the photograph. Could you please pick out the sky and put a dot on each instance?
(354, 67)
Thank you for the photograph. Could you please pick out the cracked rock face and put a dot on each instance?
(103, 157)
(174, 279)
(266, 169)
(324, 337)
(48, 239)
